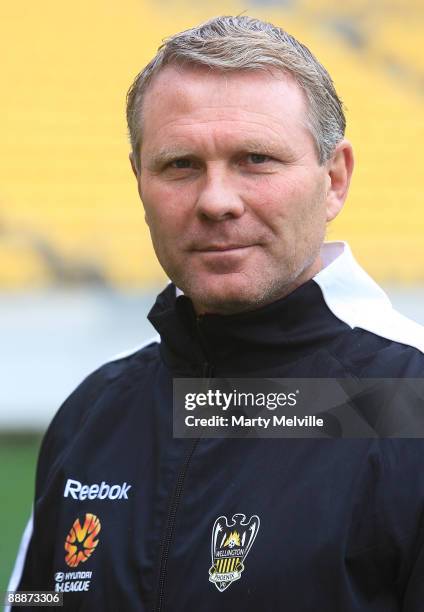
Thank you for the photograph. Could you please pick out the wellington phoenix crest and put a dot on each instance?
(231, 543)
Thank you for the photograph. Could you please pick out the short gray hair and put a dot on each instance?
(243, 43)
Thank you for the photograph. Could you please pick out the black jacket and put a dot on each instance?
(234, 524)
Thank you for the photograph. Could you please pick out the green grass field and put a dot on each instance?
(18, 456)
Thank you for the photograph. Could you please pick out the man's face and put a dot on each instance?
(234, 195)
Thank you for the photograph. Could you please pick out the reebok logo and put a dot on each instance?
(75, 489)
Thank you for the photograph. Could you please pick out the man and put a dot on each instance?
(239, 153)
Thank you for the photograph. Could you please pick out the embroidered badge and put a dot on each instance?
(80, 542)
(230, 546)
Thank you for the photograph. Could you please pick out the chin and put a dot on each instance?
(234, 295)
(231, 301)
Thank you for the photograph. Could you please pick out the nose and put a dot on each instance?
(218, 197)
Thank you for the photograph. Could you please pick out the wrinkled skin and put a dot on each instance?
(234, 195)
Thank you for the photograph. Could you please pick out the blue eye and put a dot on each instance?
(181, 163)
(257, 158)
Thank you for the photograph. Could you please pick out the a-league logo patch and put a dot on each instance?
(230, 545)
(81, 540)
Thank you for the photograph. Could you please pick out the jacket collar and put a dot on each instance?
(247, 342)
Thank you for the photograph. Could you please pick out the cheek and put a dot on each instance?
(293, 210)
(160, 206)
(277, 202)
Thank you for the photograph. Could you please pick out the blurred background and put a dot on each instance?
(77, 272)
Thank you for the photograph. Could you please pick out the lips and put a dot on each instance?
(217, 248)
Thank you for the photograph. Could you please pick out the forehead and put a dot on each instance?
(179, 98)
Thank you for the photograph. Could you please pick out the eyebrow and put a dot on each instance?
(169, 153)
(265, 148)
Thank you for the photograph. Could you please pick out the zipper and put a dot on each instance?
(207, 373)
(207, 367)
(207, 370)
(170, 525)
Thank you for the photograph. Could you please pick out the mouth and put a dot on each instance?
(222, 248)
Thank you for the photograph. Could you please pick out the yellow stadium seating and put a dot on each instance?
(67, 186)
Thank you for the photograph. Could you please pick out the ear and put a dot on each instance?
(133, 165)
(340, 168)
(137, 176)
